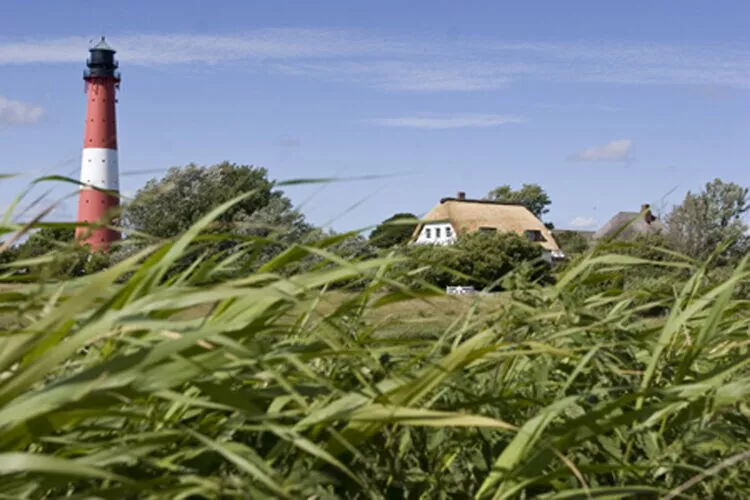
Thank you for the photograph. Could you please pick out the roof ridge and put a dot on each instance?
(486, 202)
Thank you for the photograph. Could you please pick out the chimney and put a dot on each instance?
(461, 195)
(646, 211)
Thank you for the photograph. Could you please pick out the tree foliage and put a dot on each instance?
(393, 231)
(168, 206)
(707, 219)
(532, 196)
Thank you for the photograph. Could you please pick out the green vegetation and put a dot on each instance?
(76, 261)
(395, 230)
(571, 242)
(493, 261)
(532, 196)
(168, 206)
(213, 363)
(707, 219)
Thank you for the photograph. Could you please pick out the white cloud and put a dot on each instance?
(180, 48)
(619, 150)
(417, 75)
(408, 63)
(447, 121)
(578, 107)
(583, 222)
(19, 113)
(259, 46)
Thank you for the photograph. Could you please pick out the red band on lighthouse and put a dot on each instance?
(99, 198)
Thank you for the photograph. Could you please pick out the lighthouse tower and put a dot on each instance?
(99, 197)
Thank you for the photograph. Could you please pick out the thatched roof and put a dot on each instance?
(637, 227)
(467, 216)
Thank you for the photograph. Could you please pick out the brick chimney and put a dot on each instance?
(646, 211)
(461, 195)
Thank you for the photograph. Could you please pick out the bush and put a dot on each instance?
(571, 242)
(394, 231)
(481, 260)
(53, 254)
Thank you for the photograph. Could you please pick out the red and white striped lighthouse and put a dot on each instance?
(99, 172)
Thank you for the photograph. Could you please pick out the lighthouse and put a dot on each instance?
(99, 195)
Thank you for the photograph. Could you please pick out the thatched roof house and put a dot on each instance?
(630, 225)
(453, 217)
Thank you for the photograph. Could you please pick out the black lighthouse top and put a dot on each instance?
(101, 63)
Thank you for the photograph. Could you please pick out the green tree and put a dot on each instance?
(532, 196)
(170, 205)
(393, 231)
(705, 220)
(278, 223)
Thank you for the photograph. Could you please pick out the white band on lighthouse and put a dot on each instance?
(99, 168)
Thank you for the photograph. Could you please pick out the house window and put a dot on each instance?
(448, 232)
(427, 233)
(534, 235)
(437, 232)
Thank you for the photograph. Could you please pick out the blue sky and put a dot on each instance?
(605, 104)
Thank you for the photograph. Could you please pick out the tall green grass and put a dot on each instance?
(111, 388)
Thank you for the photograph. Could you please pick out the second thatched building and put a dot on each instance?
(625, 226)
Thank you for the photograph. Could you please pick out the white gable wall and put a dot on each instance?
(437, 233)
